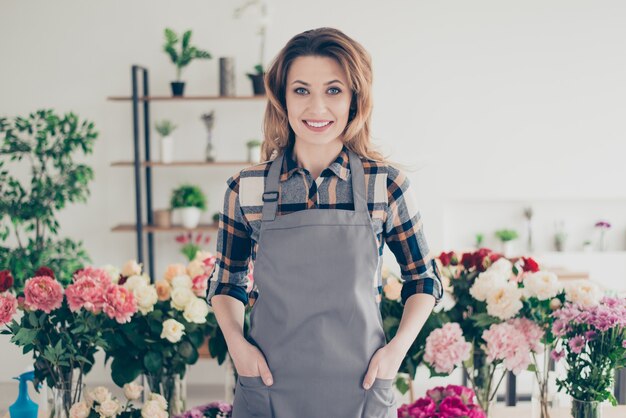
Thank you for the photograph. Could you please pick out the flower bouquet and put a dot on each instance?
(62, 327)
(444, 402)
(215, 409)
(592, 339)
(100, 403)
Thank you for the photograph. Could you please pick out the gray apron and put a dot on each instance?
(316, 318)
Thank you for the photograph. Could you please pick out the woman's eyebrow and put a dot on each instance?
(307, 84)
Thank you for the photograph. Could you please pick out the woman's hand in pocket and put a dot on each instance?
(250, 361)
(384, 364)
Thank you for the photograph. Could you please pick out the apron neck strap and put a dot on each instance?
(272, 184)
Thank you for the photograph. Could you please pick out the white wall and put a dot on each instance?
(497, 104)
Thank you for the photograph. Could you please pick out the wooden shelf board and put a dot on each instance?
(154, 228)
(185, 98)
(182, 163)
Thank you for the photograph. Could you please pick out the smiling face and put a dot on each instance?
(318, 99)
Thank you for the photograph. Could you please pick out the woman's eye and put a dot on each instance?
(297, 90)
(335, 88)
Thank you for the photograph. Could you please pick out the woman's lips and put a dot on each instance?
(316, 129)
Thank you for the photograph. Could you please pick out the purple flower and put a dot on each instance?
(577, 344)
(590, 335)
(603, 224)
(557, 355)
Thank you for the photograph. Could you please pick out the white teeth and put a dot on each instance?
(316, 124)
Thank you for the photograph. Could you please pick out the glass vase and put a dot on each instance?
(544, 397)
(481, 379)
(172, 387)
(61, 397)
(586, 409)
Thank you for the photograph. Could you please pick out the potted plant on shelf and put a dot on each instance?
(216, 217)
(165, 129)
(181, 58)
(507, 236)
(254, 151)
(191, 202)
(258, 85)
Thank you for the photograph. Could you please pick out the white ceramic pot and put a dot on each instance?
(167, 149)
(507, 248)
(190, 217)
(254, 154)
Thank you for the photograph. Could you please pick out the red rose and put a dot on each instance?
(45, 271)
(467, 259)
(6, 280)
(449, 259)
(530, 265)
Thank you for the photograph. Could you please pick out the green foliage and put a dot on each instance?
(165, 127)
(188, 195)
(181, 58)
(46, 144)
(253, 143)
(505, 235)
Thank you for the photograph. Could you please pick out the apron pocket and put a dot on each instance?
(380, 400)
(256, 396)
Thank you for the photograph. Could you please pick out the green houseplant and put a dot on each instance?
(257, 77)
(181, 58)
(254, 151)
(190, 200)
(165, 129)
(46, 143)
(506, 237)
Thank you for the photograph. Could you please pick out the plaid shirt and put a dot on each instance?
(391, 203)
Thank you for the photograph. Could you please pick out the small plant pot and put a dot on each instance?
(167, 149)
(258, 86)
(178, 88)
(254, 154)
(190, 217)
(507, 248)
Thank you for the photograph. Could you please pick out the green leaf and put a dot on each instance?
(153, 362)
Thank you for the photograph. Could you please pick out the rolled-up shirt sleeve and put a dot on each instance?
(404, 235)
(233, 249)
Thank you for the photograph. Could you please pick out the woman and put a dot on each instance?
(314, 220)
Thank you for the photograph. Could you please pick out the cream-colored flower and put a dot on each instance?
(393, 288)
(109, 408)
(196, 311)
(131, 268)
(505, 301)
(160, 400)
(146, 297)
(163, 289)
(182, 280)
(485, 283)
(555, 304)
(195, 268)
(100, 394)
(181, 296)
(172, 330)
(133, 282)
(151, 409)
(583, 292)
(132, 391)
(502, 267)
(113, 272)
(174, 270)
(543, 285)
(80, 410)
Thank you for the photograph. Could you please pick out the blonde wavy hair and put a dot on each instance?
(356, 62)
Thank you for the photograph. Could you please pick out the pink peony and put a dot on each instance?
(8, 307)
(43, 293)
(99, 275)
(119, 304)
(446, 347)
(86, 292)
(531, 331)
(199, 285)
(453, 406)
(506, 342)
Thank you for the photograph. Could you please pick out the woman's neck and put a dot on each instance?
(315, 158)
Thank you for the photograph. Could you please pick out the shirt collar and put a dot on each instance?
(340, 166)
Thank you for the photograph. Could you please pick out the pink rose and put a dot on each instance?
(422, 407)
(119, 304)
(199, 285)
(8, 307)
(43, 293)
(453, 406)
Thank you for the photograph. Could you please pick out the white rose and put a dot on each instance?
(485, 283)
(543, 285)
(80, 410)
(505, 301)
(113, 272)
(151, 409)
(160, 400)
(195, 268)
(181, 296)
(182, 280)
(131, 268)
(134, 282)
(109, 408)
(196, 311)
(583, 292)
(172, 330)
(502, 267)
(132, 391)
(146, 297)
(100, 394)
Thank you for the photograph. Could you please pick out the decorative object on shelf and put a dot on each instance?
(99, 402)
(209, 119)
(47, 142)
(190, 200)
(506, 237)
(560, 236)
(528, 215)
(591, 333)
(449, 401)
(181, 58)
(216, 217)
(602, 226)
(191, 245)
(257, 77)
(227, 76)
(163, 218)
(63, 327)
(24, 407)
(254, 151)
(216, 409)
(478, 240)
(587, 246)
(165, 129)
